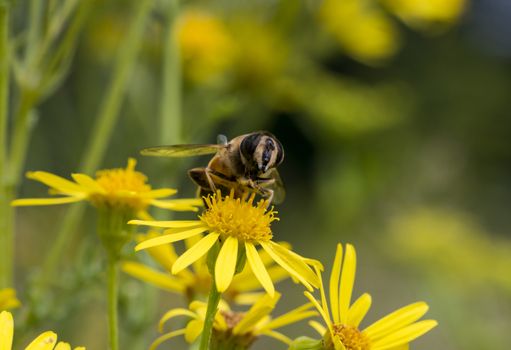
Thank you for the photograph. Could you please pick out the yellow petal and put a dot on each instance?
(279, 336)
(404, 335)
(338, 345)
(318, 327)
(324, 304)
(193, 330)
(262, 308)
(45, 341)
(6, 330)
(45, 201)
(173, 204)
(334, 284)
(259, 269)
(323, 313)
(288, 318)
(174, 313)
(80, 348)
(167, 224)
(398, 319)
(349, 267)
(154, 277)
(245, 281)
(200, 266)
(247, 298)
(159, 193)
(173, 237)
(225, 264)
(295, 267)
(358, 310)
(195, 252)
(62, 346)
(165, 337)
(58, 183)
(8, 299)
(88, 183)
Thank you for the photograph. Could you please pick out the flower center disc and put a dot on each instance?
(238, 217)
(122, 187)
(351, 337)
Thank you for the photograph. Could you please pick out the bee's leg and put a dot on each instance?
(269, 196)
(208, 173)
(202, 177)
(260, 186)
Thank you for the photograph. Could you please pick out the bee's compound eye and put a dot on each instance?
(249, 145)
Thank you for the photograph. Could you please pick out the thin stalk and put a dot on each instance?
(36, 16)
(20, 138)
(170, 108)
(6, 230)
(213, 300)
(101, 134)
(113, 290)
(11, 177)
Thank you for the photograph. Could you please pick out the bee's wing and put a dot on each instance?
(180, 150)
(279, 191)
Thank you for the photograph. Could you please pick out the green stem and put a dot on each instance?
(102, 132)
(113, 289)
(213, 300)
(20, 138)
(170, 113)
(36, 12)
(6, 231)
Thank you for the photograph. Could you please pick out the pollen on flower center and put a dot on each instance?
(351, 337)
(238, 217)
(121, 187)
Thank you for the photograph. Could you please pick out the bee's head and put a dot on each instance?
(261, 151)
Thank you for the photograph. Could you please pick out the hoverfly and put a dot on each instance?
(246, 163)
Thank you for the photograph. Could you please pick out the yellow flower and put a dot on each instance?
(8, 299)
(206, 46)
(342, 332)
(261, 52)
(238, 226)
(362, 30)
(45, 341)
(195, 283)
(124, 189)
(240, 328)
(426, 14)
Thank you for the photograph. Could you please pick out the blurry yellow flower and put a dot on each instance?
(363, 31)
(195, 283)
(239, 328)
(239, 226)
(124, 189)
(45, 341)
(261, 52)
(8, 299)
(426, 14)
(342, 318)
(206, 46)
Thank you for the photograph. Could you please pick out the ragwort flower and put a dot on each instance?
(342, 318)
(8, 299)
(45, 341)
(239, 328)
(205, 44)
(238, 226)
(195, 282)
(124, 189)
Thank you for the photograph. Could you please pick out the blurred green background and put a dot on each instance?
(394, 116)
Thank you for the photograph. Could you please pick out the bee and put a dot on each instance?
(245, 163)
